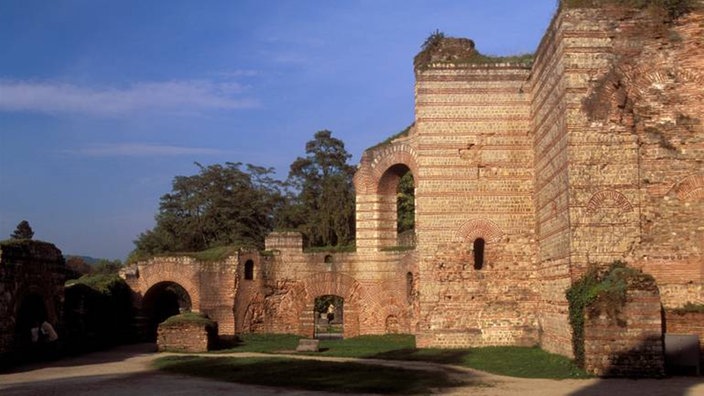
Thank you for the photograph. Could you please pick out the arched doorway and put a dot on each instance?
(162, 301)
(32, 312)
(329, 317)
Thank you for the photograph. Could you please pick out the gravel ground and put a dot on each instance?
(126, 371)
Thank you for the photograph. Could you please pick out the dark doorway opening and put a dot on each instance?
(162, 301)
(31, 313)
(478, 253)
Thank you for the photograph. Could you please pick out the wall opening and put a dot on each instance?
(161, 301)
(397, 207)
(329, 261)
(478, 249)
(249, 270)
(31, 313)
(409, 287)
(329, 317)
(406, 209)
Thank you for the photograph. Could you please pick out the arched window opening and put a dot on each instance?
(329, 321)
(396, 210)
(478, 253)
(249, 270)
(406, 210)
(409, 287)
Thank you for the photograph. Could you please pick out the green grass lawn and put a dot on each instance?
(511, 361)
(310, 374)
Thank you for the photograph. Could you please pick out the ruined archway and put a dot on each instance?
(161, 301)
(361, 309)
(377, 185)
(395, 207)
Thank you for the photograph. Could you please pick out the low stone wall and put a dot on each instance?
(677, 322)
(186, 337)
(629, 345)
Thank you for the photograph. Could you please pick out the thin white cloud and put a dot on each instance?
(240, 73)
(140, 150)
(185, 96)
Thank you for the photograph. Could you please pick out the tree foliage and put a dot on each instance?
(221, 205)
(23, 231)
(406, 203)
(322, 204)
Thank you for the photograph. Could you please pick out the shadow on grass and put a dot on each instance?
(450, 356)
(311, 375)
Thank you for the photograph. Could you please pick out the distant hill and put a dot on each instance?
(86, 259)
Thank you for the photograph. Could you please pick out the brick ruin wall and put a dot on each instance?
(378, 297)
(210, 285)
(186, 337)
(627, 343)
(609, 87)
(591, 155)
(475, 181)
(280, 293)
(679, 322)
(29, 269)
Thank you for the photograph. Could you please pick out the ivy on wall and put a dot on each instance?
(601, 290)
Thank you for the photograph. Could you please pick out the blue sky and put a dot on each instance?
(102, 103)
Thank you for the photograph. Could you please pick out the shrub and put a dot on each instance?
(601, 290)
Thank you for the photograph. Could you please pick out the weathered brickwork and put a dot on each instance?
(629, 344)
(32, 277)
(210, 285)
(278, 293)
(186, 337)
(677, 322)
(524, 176)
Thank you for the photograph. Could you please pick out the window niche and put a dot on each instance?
(249, 270)
(329, 262)
(478, 250)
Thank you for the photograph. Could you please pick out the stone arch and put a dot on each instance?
(162, 300)
(474, 229)
(397, 154)
(375, 163)
(609, 199)
(376, 184)
(691, 188)
(361, 308)
(182, 271)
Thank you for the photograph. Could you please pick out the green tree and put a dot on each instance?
(221, 205)
(322, 207)
(105, 266)
(23, 231)
(406, 203)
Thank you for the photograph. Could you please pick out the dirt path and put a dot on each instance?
(126, 371)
